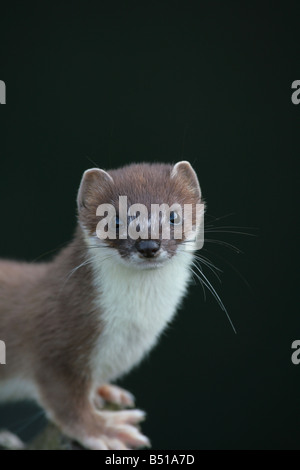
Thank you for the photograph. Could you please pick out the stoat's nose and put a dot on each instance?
(148, 248)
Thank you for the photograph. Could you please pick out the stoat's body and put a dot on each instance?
(75, 324)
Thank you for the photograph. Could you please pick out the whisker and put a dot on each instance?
(92, 161)
(226, 244)
(235, 227)
(48, 252)
(78, 267)
(208, 265)
(85, 263)
(216, 230)
(27, 422)
(231, 266)
(197, 256)
(215, 294)
(201, 282)
(216, 219)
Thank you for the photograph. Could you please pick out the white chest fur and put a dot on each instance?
(135, 305)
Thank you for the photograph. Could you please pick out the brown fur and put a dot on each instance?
(49, 326)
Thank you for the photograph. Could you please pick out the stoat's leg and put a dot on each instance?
(116, 395)
(70, 407)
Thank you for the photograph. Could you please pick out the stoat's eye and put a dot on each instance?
(175, 218)
(117, 222)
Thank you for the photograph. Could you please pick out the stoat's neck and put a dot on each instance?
(135, 305)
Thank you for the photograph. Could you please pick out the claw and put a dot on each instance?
(116, 395)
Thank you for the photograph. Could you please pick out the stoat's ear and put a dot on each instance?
(94, 183)
(184, 172)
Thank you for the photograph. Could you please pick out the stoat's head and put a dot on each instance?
(146, 213)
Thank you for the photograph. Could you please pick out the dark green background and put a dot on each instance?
(209, 82)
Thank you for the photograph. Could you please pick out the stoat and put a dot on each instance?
(74, 325)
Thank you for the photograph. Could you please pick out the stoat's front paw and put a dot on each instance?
(116, 395)
(117, 431)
